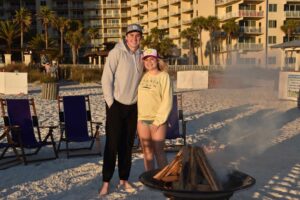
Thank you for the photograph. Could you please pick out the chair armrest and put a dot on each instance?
(98, 123)
(50, 127)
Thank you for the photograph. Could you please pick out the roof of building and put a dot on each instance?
(290, 44)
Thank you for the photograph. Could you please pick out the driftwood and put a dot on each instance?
(190, 170)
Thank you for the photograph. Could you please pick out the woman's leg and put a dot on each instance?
(158, 141)
(146, 142)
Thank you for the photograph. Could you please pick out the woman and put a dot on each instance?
(154, 106)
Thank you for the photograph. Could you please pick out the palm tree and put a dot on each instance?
(157, 39)
(23, 19)
(38, 43)
(46, 16)
(61, 24)
(199, 24)
(75, 39)
(289, 27)
(8, 32)
(211, 26)
(191, 35)
(231, 28)
(92, 33)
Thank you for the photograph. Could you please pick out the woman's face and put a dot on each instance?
(151, 63)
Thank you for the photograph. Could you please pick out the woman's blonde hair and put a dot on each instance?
(162, 65)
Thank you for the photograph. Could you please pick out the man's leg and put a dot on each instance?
(127, 140)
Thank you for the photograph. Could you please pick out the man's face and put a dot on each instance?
(133, 40)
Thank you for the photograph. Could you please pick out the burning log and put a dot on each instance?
(190, 170)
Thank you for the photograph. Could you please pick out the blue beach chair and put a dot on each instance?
(176, 131)
(27, 139)
(76, 126)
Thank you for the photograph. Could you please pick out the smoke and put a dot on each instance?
(251, 133)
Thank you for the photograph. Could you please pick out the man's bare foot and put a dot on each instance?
(104, 189)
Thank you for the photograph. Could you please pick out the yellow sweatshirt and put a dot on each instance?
(155, 97)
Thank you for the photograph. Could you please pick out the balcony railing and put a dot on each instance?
(111, 25)
(187, 21)
(111, 15)
(243, 13)
(251, 30)
(292, 14)
(111, 5)
(134, 2)
(250, 46)
(152, 7)
(251, 13)
(112, 35)
(187, 9)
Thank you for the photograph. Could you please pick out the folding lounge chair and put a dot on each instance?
(6, 143)
(76, 126)
(27, 139)
(176, 131)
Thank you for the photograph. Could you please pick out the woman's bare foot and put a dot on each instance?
(127, 186)
(104, 189)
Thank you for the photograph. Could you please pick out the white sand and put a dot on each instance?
(249, 129)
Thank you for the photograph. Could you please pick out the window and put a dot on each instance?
(272, 23)
(272, 60)
(290, 60)
(43, 3)
(272, 7)
(228, 9)
(272, 39)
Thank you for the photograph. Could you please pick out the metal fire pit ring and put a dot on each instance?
(236, 180)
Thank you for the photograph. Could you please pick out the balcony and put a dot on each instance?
(187, 9)
(174, 24)
(111, 5)
(174, 1)
(164, 26)
(152, 7)
(110, 25)
(112, 35)
(187, 21)
(111, 15)
(292, 14)
(174, 13)
(249, 47)
(251, 30)
(243, 13)
(134, 2)
(251, 13)
(174, 36)
(162, 4)
(225, 2)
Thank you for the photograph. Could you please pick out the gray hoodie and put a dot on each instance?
(121, 75)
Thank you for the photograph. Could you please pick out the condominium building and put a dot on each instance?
(260, 23)
(260, 29)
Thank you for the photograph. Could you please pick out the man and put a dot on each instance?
(121, 75)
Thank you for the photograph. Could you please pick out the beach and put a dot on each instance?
(247, 128)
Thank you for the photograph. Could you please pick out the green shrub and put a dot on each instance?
(34, 76)
(85, 75)
(15, 67)
(46, 78)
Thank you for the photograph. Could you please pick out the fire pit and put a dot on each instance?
(235, 181)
